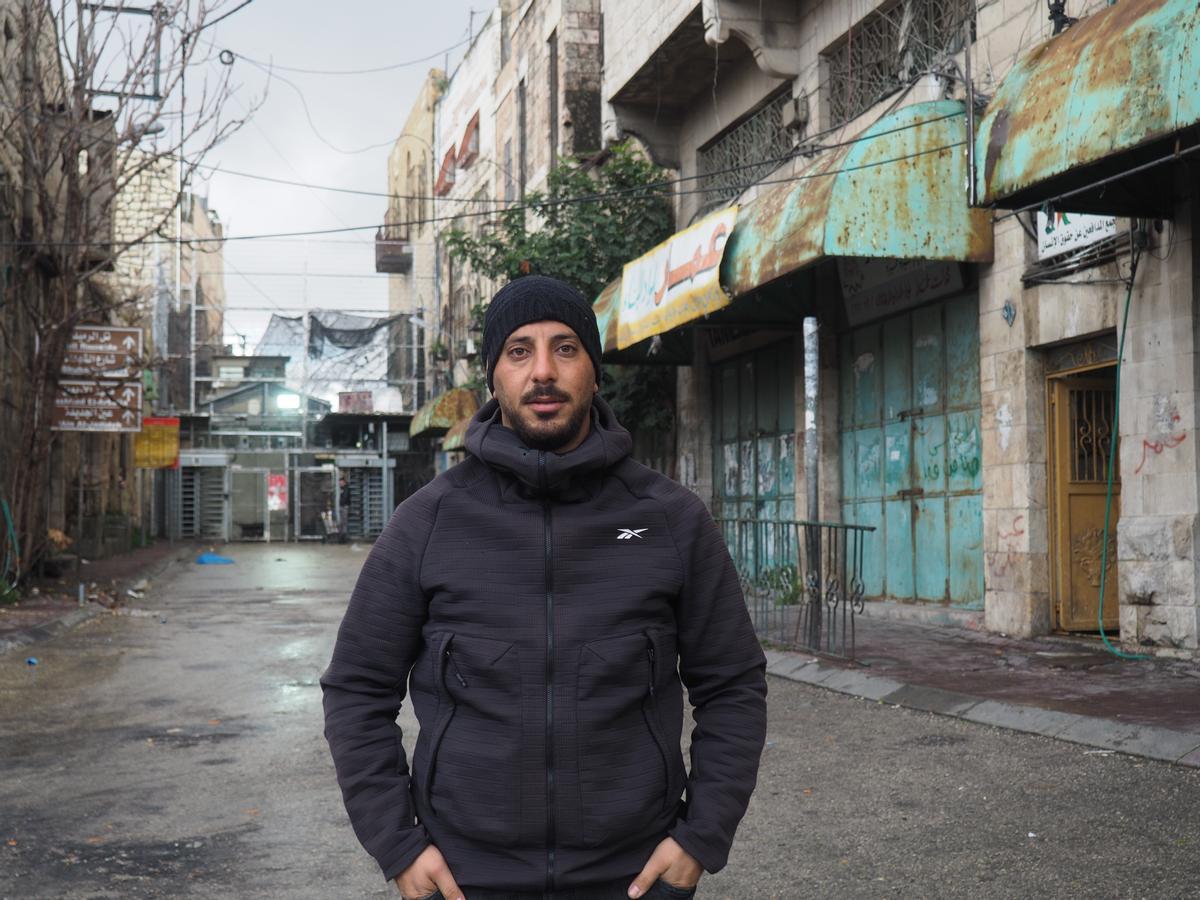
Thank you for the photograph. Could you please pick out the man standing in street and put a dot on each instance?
(545, 602)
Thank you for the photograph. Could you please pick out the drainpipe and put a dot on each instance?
(812, 450)
(971, 192)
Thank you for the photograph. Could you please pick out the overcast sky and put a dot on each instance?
(350, 112)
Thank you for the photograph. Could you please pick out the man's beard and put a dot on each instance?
(539, 438)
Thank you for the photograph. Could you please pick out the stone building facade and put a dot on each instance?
(968, 382)
(405, 247)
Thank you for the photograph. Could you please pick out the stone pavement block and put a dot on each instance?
(789, 663)
(1139, 740)
(1031, 719)
(860, 684)
(930, 699)
(775, 659)
(1191, 759)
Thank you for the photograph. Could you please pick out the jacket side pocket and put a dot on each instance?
(623, 763)
(476, 749)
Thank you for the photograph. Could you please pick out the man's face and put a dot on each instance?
(544, 382)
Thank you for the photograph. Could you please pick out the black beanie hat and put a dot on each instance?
(537, 298)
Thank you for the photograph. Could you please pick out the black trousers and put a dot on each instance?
(659, 891)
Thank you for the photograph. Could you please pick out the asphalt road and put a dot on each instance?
(176, 751)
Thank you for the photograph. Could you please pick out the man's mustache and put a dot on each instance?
(538, 395)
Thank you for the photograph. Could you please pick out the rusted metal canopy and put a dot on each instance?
(898, 191)
(456, 437)
(444, 410)
(1109, 84)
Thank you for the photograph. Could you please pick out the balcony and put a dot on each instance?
(393, 250)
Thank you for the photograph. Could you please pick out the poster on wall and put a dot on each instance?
(156, 446)
(277, 492)
(676, 282)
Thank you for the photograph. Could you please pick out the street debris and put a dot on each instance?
(212, 559)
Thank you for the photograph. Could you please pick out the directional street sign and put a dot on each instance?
(103, 352)
(98, 406)
(101, 381)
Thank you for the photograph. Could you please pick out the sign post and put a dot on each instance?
(101, 384)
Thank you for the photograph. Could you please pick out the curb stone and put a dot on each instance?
(49, 629)
(1148, 741)
(75, 617)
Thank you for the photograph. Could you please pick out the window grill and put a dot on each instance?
(759, 142)
(888, 49)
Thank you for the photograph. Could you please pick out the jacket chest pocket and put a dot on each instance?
(472, 781)
(629, 773)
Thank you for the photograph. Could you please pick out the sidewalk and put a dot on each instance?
(55, 608)
(1066, 688)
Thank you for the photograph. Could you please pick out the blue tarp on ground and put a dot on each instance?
(212, 559)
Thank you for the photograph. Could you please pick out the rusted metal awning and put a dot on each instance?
(898, 191)
(456, 437)
(444, 410)
(1113, 83)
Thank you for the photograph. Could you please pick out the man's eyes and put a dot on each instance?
(520, 352)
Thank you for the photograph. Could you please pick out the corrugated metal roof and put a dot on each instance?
(444, 410)
(898, 191)
(1110, 83)
(456, 437)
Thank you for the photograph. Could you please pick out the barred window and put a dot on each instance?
(758, 143)
(888, 49)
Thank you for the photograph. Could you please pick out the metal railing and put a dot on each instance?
(802, 580)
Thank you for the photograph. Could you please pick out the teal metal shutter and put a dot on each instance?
(910, 418)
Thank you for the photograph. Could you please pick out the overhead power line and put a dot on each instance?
(776, 160)
(534, 207)
(219, 18)
(390, 68)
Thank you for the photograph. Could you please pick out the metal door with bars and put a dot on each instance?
(911, 464)
(202, 502)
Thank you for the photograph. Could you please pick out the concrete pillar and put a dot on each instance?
(1013, 433)
(1160, 498)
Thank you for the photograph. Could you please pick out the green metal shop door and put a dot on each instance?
(911, 452)
(754, 452)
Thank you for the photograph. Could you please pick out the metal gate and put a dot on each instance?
(754, 453)
(911, 466)
(363, 500)
(315, 495)
(250, 514)
(202, 507)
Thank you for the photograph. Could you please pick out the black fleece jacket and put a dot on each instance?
(541, 610)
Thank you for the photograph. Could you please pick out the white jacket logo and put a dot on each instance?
(628, 534)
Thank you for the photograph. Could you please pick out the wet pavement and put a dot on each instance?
(173, 748)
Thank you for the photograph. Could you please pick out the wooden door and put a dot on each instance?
(1082, 410)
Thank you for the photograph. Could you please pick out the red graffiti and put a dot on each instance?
(1017, 530)
(1157, 447)
(1000, 564)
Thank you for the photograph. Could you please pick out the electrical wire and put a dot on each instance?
(537, 207)
(803, 151)
(195, 31)
(271, 74)
(391, 68)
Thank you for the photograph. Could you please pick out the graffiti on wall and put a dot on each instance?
(1168, 435)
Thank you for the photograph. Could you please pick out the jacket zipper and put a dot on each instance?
(550, 831)
(651, 713)
(454, 666)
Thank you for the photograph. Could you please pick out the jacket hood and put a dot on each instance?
(549, 473)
